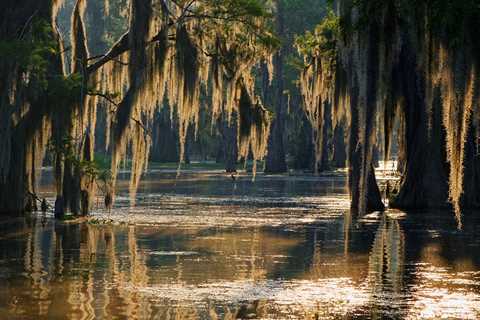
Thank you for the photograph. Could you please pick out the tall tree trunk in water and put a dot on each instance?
(362, 83)
(76, 123)
(304, 150)
(323, 154)
(229, 142)
(24, 115)
(165, 139)
(425, 173)
(423, 73)
(321, 137)
(372, 198)
(339, 149)
(300, 144)
(344, 74)
(275, 161)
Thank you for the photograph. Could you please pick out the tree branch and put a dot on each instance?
(118, 48)
(105, 96)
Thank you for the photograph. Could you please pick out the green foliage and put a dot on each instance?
(252, 8)
(244, 24)
(449, 19)
(32, 53)
(236, 8)
(63, 91)
(453, 18)
(68, 217)
(116, 22)
(66, 150)
(323, 40)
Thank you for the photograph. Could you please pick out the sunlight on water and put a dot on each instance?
(282, 298)
(205, 248)
(216, 211)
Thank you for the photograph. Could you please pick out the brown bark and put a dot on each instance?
(339, 149)
(373, 197)
(165, 138)
(22, 122)
(229, 143)
(275, 161)
(424, 179)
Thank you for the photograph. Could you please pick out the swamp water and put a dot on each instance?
(207, 247)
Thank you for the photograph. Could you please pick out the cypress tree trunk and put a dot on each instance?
(229, 143)
(327, 139)
(275, 161)
(24, 118)
(373, 201)
(339, 149)
(165, 138)
(471, 192)
(304, 150)
(424, 179)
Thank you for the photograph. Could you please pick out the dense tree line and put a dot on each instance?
(174, 47)
(415, 63)
(372, 72)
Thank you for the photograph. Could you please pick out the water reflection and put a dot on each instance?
(328, 266)
(386, 269)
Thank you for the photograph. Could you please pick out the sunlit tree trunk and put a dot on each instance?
(373, 199)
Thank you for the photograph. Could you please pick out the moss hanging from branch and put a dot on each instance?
(184, 86)
(174, 52)
(125, 129)
(380, 43)
(28, 56)
(253, 127)
(318, 78)
(182, 62)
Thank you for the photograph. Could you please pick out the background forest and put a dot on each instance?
(105, 25)
(239, 159)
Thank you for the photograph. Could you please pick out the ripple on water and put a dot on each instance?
(285, 298)
(179, 210)
(201, 247)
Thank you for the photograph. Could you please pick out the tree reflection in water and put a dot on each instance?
(338, 267)
(386, 268)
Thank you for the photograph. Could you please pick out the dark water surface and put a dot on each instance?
(204, 247)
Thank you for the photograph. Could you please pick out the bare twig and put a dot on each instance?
(105, 96)
(26, 24)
